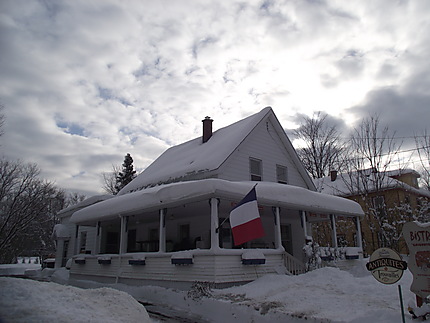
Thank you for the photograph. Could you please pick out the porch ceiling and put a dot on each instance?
(171, 195)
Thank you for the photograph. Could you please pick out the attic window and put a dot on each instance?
(255, 169)
(281, 174)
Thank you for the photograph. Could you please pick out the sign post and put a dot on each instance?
(417, 237)
(387, 267)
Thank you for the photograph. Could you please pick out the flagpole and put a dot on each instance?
(219, 226)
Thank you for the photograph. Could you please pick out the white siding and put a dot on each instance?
(219, 269)
(262, 143)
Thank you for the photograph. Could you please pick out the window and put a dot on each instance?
(112, 242)
(131, 240)
(153, 234)
(225, 239)
(153, 243)
(379, 205)
(281, 174)
(83, 241)
(184, 236)
(255, 169)
(184, 232)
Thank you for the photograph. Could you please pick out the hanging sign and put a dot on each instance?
(386, 266)
(417, 237)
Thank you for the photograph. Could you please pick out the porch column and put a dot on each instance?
(97, 239)
(304, 224)
(59, 253)
(123, 235)
(75, 245)
(214, 224)
(278, 239)
(162, 235)
(359, 237)
(333, 229)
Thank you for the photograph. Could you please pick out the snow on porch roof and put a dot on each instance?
(171, 195)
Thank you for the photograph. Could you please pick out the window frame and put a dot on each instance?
(83, 241)
(285, 169)
(380, 205)
(255, 176)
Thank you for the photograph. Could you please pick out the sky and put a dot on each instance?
(83, 83)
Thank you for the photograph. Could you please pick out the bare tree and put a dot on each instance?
(2, 120)
(322, 152)
(423, 147)
(110, 180)
(323, 146)
(27, 208)
(74, 198)
(372, 151)
(372, 148)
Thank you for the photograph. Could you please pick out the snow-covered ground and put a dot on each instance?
(24, 300)
(324, 295)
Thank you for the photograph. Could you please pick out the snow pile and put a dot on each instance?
(323, 295)
(18, 269)
(327, 294)
(24, 300)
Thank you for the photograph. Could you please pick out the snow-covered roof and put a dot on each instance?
(194, 157)
(400, 172)
(89, 201)
(170, 195)
(347, 184)
(61, 231)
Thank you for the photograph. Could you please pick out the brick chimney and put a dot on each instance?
(333, 175)
(207, 129)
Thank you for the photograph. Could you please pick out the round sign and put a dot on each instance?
(386, 266)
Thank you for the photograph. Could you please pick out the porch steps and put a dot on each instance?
(293, 265)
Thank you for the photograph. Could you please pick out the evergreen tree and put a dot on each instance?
(127, 174)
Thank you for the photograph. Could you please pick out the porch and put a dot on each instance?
(187, 236)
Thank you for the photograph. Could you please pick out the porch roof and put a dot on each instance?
(174, 194)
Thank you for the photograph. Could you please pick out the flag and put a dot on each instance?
(245, 220)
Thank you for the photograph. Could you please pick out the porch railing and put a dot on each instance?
(294, 265)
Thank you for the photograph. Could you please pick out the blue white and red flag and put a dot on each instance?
(245, 220)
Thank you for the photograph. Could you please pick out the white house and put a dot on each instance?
(170, 225)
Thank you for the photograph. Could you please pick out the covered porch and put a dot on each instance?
(180, 233)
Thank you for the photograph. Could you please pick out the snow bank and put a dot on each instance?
(24, 300)
(17, 269)
(324, 295)
(327, 294)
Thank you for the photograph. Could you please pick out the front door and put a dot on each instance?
(131, 240)
(286, 238)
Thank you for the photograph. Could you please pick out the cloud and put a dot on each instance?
(406, 113)
(84, 83)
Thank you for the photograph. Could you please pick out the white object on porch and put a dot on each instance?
(253, 257)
